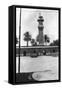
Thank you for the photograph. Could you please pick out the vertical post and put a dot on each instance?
(19, 41)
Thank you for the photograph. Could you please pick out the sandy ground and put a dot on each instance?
(44, 67)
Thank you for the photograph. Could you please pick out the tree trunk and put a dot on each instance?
(46, 43)
(27, 43)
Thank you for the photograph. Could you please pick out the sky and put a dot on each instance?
(29, 23)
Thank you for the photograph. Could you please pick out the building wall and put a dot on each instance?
(39, 51)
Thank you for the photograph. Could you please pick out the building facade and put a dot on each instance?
(40, 50)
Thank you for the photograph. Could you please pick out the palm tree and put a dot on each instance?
(27, 37)
(32, 42)
(46, 38)
(55, 43)
(35, 43)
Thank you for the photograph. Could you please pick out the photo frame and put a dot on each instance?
(34, 44)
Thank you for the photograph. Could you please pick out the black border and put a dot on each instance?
(11, 45)
(14, 41)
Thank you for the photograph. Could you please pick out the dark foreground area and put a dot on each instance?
(24, 77)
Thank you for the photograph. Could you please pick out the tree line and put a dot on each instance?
(28, 37)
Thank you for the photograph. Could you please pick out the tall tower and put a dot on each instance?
(40, 28)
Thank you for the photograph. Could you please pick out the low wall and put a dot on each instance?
(37, 49)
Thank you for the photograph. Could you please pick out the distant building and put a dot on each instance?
(37, 49)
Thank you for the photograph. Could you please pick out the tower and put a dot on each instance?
(40, 28)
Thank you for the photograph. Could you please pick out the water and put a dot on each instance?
(44, 67)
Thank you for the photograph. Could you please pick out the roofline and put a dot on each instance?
(37, 46)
